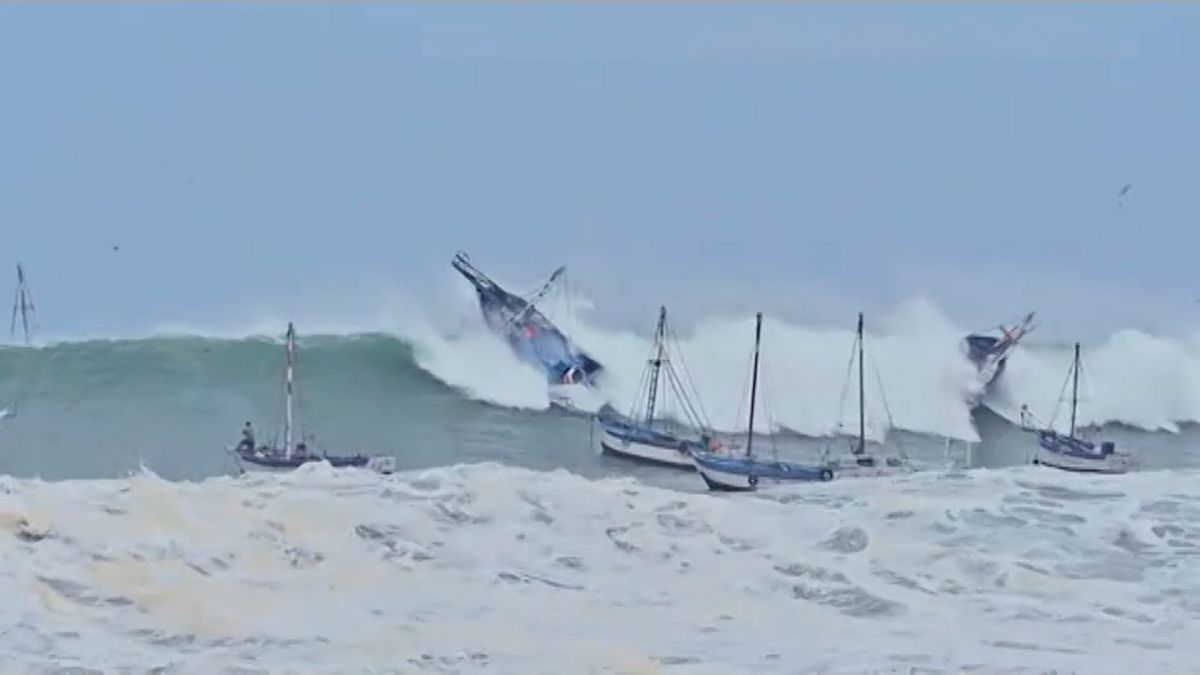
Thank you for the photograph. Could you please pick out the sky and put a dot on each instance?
(809, 160)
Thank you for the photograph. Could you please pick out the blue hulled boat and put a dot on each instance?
(532, 337)
(644, 435)
(743, 474)
(989, 351)
(1068, 451)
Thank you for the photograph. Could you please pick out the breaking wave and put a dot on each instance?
(485, 567)
(917, 374)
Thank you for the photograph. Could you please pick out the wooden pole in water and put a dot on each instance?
(287, 422)
(1075, 390)
(754, 383)
(660, 337)
(862, 425)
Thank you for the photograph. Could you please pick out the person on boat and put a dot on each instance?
(301, 449)
(710, 444)
(247, 437)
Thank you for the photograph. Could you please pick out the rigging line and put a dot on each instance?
(685, 403)
(1061, 393)
(744, 398)
(690, 381)
(1085, 381)
(882, 394)
(764, 387)
(846, 385)
(898, 440)
(696, 417)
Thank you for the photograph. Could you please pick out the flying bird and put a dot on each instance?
(1124, 189)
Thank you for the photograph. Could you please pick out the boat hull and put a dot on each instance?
(731, 474)
(1112, 464)
(532, 337)
(675, 453)
(280, 461)
(1071, 454)
(869, 466)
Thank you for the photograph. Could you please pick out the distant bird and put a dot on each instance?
(116, 249)
(1124, 189)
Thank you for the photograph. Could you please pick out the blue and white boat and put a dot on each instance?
(1070, 452)
(724, 473)
(532, 337)
(989, 351)
(646, 434)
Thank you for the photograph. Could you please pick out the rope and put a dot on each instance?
(1062, 392)
(846, 386)
(707, 421)
(886, 408)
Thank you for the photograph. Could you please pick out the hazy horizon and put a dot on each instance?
(808, 160)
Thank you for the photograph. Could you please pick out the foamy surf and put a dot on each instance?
(490, 568)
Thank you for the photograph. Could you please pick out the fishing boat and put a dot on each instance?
(532, 336)
(858, 461)
(645, 434)
(725, 473)
(988, 351)
(22, 307)
(1070, 452)
(291, 454)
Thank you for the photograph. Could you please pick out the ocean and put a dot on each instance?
(505, 543)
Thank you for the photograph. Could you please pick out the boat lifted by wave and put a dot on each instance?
(291, 454)
(532, 337)
(988, 351)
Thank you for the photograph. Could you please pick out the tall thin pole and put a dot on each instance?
(1075, 390)
(23, 304)
(660, 338)
(287, 422)
(754, 383)
(862, 425)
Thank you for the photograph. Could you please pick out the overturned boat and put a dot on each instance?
(532, 337)
(646, 434)
(291, 454)
(1070, 452)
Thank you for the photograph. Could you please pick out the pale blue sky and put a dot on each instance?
(797, 157)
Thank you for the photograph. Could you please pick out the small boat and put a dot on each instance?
(1070, 452)
(23, 307)
(859, 462)
(641, 436)
(530, 334)
(724, 473)
(989, 351)
(290, 454)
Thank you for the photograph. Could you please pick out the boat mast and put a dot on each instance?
(287, 420)
(660, 337)
(22, 304)
(754, 383)
(862, 426)
(1075, 389)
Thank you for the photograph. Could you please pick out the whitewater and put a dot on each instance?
(501, 569)
(508, 544)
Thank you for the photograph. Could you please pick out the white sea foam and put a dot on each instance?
(490, 568)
